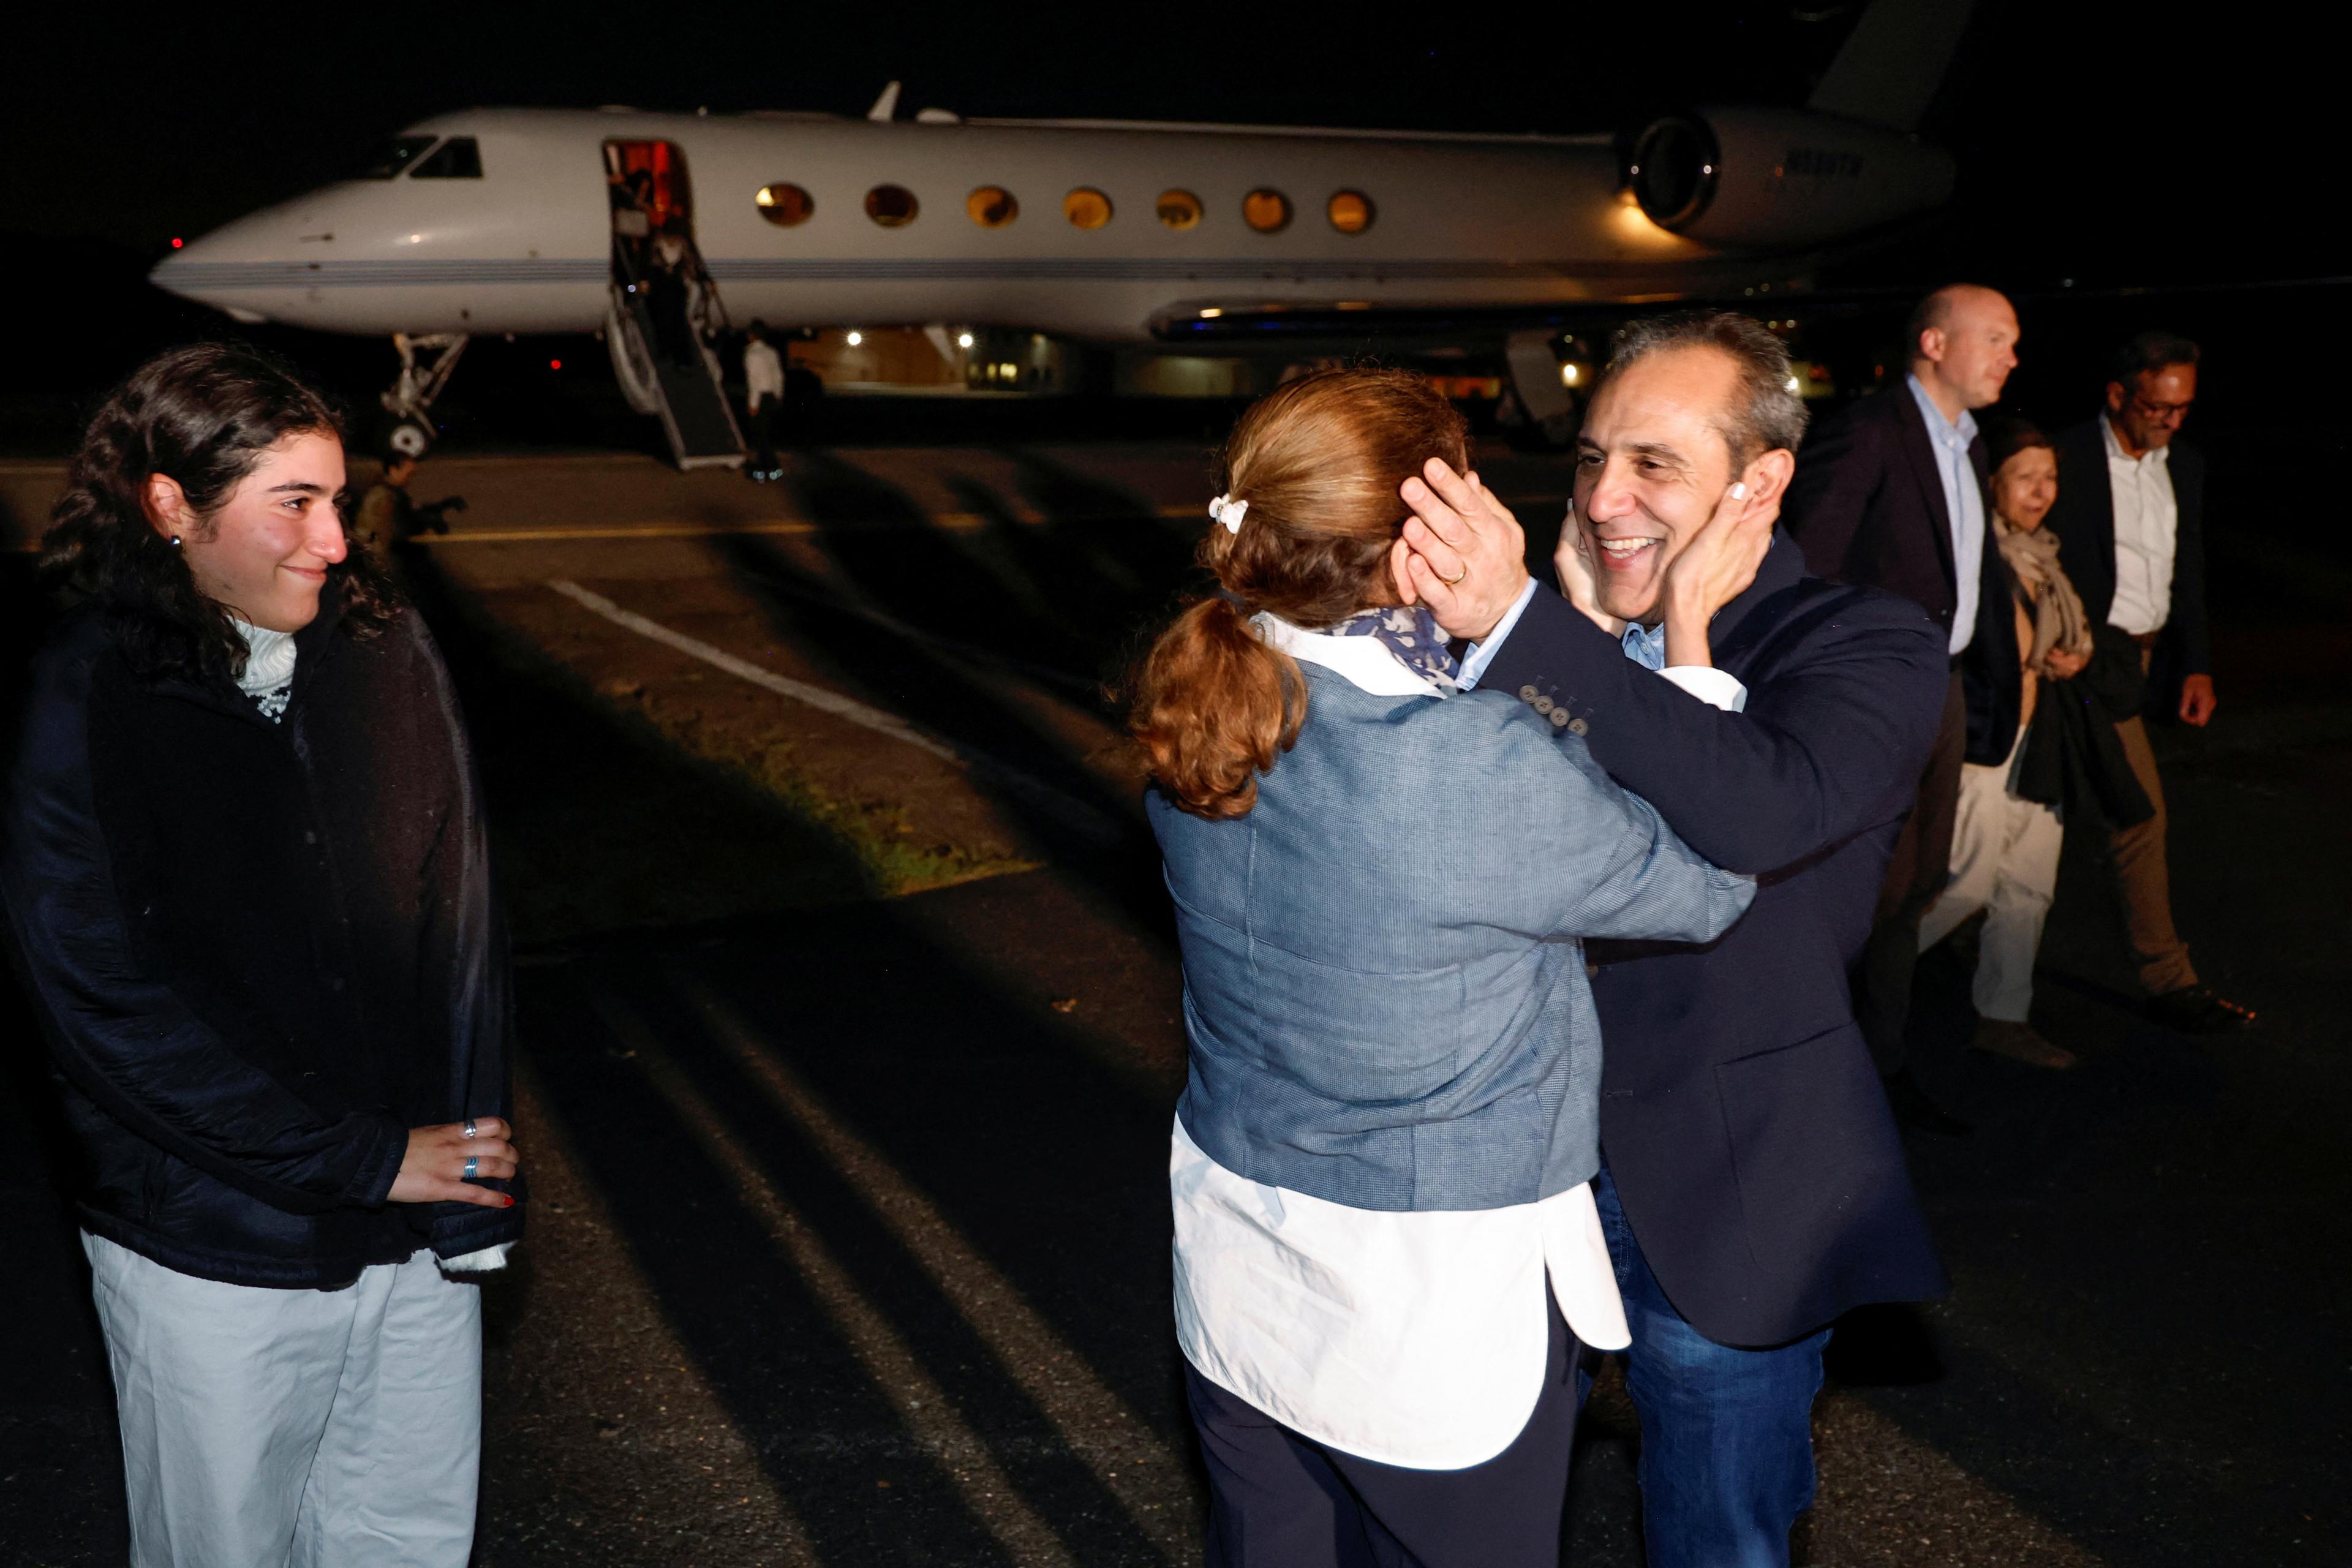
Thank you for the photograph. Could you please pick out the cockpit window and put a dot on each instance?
(389, 160)
(459, 158)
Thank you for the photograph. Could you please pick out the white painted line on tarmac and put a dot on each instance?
(954, 522)
(1072, 813)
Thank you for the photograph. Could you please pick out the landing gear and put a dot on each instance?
(420, 381)
(408, 439)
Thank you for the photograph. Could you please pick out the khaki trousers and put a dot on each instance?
(2144, 880)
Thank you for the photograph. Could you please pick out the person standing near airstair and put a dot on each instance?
(764, 395)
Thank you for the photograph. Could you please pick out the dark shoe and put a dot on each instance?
(2020, 1042)
(2196, 1010)
(1914, 1111)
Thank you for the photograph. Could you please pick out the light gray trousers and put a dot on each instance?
(310, 1428)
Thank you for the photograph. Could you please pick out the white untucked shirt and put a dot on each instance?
(1409, 1339)
(2147, 521)
(763, 374)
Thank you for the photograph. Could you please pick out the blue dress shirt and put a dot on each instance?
(1963, 502)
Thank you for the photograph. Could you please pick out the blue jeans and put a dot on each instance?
(1726, 1434)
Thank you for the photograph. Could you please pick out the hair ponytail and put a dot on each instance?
(1318, 462)
(1213, 707)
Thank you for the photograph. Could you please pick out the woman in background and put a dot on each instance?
(2005, 845)
(1386, 1247)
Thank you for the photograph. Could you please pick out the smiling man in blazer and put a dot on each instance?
(1752, 1186)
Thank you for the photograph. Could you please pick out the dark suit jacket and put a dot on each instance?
(1739, 1113)
(1867, 506)
(2084, 519)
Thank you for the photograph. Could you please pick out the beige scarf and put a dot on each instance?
(2058, 618)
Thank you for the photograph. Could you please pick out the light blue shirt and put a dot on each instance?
(1963, 502)
(1646, 646)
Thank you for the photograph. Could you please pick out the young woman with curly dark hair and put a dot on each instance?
(247, 880)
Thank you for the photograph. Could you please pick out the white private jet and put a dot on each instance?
(637, 226)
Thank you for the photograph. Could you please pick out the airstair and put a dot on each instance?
(690, 398)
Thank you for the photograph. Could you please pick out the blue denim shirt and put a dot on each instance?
(1384, 985)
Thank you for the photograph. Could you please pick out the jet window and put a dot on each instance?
(1087, 207)
(1180, 209)
(392, 157)
(459, 158)
(1268, 212)
(1351, 212)
(892, 207)
(786, 206)
(991, 206)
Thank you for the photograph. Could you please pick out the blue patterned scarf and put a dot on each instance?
(1409, 632)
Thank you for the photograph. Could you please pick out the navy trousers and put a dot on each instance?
(1277, 1500)
(1726, 1434)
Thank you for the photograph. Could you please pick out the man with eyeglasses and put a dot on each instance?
(2131, 508)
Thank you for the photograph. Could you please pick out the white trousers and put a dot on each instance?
(2005, 862)
(309, 1428)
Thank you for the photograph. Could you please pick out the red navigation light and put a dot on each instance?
(555, 365)
(176, 242)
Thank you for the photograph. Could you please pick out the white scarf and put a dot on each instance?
(268, 677)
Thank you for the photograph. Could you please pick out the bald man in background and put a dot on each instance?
(1890, 494)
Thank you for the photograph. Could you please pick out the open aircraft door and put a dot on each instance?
(664, 308)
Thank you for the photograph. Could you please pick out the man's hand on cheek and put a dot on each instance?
(1464, 553)
(1579, 577)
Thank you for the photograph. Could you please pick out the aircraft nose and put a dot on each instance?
(212, 270)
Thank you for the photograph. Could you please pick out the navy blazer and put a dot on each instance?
(1740, 1114)
(1867, 507)
(2084, 518)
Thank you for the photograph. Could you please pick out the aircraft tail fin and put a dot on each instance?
(887, 106)
(1893, 62)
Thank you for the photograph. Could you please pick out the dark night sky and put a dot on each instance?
(2113, 145)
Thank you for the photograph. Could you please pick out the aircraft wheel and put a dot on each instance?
(409, 439)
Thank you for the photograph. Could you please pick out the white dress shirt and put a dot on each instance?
(2147, 521)
(1963, 503)
(1409, 1339)
(763, 374)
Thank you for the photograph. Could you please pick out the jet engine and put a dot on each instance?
(1763, 179)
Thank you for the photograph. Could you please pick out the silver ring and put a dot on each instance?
(472, 1161)
(471, 1129)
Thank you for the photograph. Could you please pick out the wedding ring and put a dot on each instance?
(1456, 580)
(473, 1162)
(471, 1129)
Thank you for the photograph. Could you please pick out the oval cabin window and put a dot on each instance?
(892, 207)
(1180, 209)
(786, 206)
(991, 206)
(1268, 212)
(1351, 212)
(1087, 207)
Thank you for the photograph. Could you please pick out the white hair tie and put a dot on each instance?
(1228, 510)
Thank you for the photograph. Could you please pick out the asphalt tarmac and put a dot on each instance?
(850, 1039)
